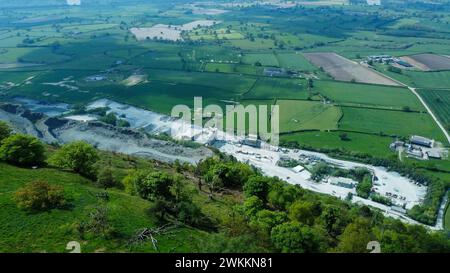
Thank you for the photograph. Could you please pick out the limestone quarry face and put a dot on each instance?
(101, 135)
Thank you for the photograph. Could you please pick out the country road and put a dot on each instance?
(431, 113)
(413, 90)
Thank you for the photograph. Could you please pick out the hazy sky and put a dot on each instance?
(74, 2)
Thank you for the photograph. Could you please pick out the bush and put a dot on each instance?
(22, 150)
(78, 156)
(40, 195)
(105, 178)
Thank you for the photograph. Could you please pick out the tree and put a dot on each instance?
(281, 196)
(293, 237)
(258, 186)
(265, 220)
(40, 195)
(5, 130)
(355, 237)
(109, 119)
(22, 150)
(406, 109)
(154, 185)
(320, 170)
(344, 137)
(304, 212)
(78, 156)
(334, 220)
(105, 178)
(364, 187)
(252, 205)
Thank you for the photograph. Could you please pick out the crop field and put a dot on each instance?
(439, 101)
(298, 115)
(343, 69)
(431, 62)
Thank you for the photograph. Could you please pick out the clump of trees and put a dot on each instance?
(277, 216)
(40, 195)
(168, 194)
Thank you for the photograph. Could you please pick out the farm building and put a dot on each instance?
(271, 71)
(403, 63)
(422, 141)
(298, 169)
(434, 154)
(396, 144)
(414, 152)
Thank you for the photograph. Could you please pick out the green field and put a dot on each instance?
(295, 61)
(368, 95)
(439, 101)
(267, 59)
(389, 122)
(298, 115)
(268, 88)
(363, 143)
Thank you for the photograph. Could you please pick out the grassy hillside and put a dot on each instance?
(50, 231)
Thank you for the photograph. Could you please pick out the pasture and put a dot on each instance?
(368, 95)
(298, 115)
(389, 122)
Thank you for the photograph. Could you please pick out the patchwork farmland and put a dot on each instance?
(311, 58)
(343, 69)
(429, 62)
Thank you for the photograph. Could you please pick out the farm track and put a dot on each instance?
(431, 113)
(413, 90)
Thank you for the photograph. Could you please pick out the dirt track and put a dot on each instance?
(343, 69)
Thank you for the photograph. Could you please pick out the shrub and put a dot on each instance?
(78, 156)
(22, 150)
(105, 178)
(40, 195)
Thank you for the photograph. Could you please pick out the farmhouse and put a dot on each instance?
(422, 141)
